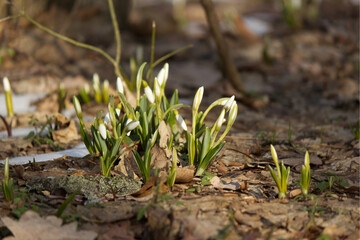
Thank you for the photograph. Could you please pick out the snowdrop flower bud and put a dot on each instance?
(117, 112)
(274, 155)
(153, 138)
(233, 112)
(132, 125)
(119, 85)
(307, 160)
(96, 81)
(77, 107)
(163, 75)
(229, 103)
(180, 120)
(87, 88)
(148, 92)
(157, 87)
(6, 84)
(220, 120)
(197, 99)
(107, 118)
(102, 130)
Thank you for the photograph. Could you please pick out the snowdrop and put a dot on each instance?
(8, 97)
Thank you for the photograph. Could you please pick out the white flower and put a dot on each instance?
(180, 120)
(96, 82)
(233, 112)
(6, 83)
(198, 98)
(119, 85)
(149, 94)
(106, 84)
(107, 118)
(87, 88)
(132, 125)
(77, 107)
(229, 103)
(220, 120)
(102, 130)
(163, 75)
(117, 112)
(157, 87)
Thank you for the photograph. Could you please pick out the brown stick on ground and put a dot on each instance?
(229, 66)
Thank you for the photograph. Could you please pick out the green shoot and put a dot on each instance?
(63, 206)
(85, 93)
(172, 171)
(96, 87)
(7, 184)
(105, 91)
(282, 177)
(61, 97)
(305, 176)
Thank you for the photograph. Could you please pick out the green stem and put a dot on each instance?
(116, 32)
(152, 54)
(163, 58)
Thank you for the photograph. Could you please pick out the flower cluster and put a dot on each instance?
(127, 124)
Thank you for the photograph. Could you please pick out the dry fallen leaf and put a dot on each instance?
(32, 226)
(233, 185)
(184, 175)
(67, 132)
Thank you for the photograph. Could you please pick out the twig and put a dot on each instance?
(223, 51)
(8, 126)
(69, 40)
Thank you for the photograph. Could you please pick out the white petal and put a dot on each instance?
(6, 83)
(132, 125)
(149, 94)
(181, 121)
(119, 85)
(229, 103)
(102, 130)
(198, 98)
(77, 105)
(107, 118)
(220, 120)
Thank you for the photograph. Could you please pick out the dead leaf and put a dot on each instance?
(165, 134)
(184, 175)
(160, 158)
(295, 192)
(233, 185)
(31, 226)
(67, 132)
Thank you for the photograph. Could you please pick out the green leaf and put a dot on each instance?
(174, 98)
(63, 206)
(207, 159)
(175, 107)
(205, 146)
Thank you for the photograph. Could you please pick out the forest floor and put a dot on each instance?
(307, 93)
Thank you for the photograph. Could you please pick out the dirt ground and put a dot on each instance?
(305, 83)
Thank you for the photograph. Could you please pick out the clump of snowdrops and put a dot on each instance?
(125, 125)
